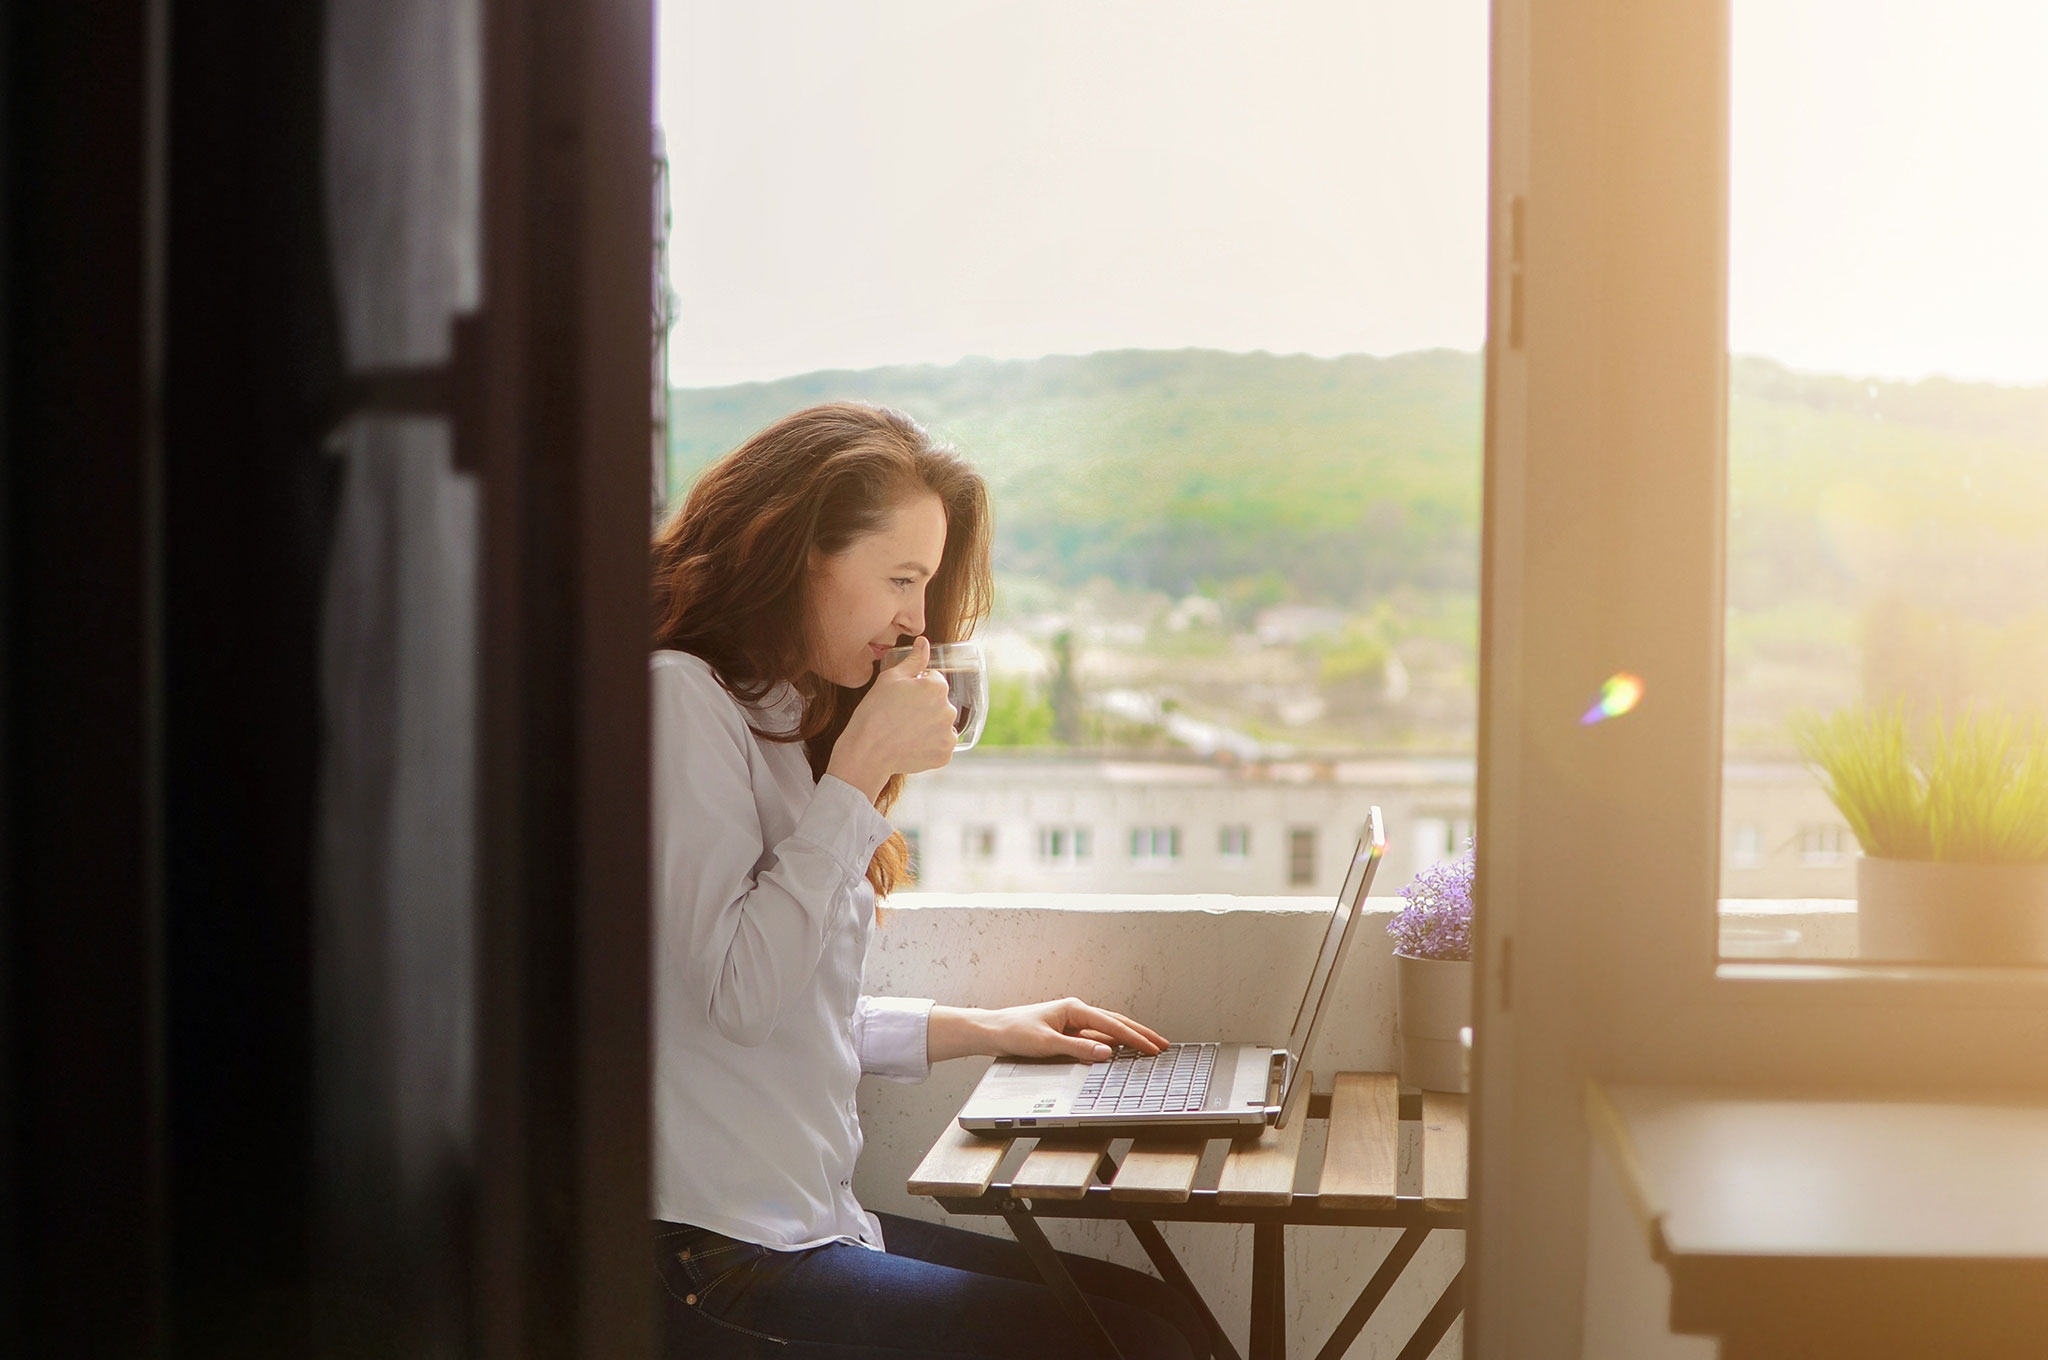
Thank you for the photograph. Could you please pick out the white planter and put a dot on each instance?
(1926, 912)
(1435, 1001)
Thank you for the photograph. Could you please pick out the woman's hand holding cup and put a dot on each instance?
(903, 725)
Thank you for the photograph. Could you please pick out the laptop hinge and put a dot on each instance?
(1278, 1069)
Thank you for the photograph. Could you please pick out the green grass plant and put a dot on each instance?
(1018, 714)
(1973, 790)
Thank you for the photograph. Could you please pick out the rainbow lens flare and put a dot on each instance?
(1619, 693)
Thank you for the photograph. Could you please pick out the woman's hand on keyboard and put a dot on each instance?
(1066, 1028)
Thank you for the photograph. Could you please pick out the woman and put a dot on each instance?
(795, 562)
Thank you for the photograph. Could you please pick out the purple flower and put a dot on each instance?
(1437, 922)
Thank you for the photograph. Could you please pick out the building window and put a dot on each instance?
(1440, 836)
(1234, 842)
(916, 861)
(1823, 844)
(1063, 844)
(978, 843)
(1155, 844)
(1432, 840)
(1747, 849)
(1301, 857)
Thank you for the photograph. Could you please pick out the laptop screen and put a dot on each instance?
(1365, 860)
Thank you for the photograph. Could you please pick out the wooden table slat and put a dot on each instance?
(1361, 1167)
(1443, 1150)
(1059, 1168)
(1160, 1169)
(959, 1165)
(1262, 1171)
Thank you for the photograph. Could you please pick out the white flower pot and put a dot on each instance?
(1927, 912)
(1434, 997)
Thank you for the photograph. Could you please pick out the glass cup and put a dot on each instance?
(966, 672)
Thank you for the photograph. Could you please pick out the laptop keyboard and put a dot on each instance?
(1176, 1079)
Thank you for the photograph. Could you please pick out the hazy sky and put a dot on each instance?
(1889, 202)
(860, 182)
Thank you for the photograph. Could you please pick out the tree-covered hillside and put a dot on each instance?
(1885, 539)
(1186, 469)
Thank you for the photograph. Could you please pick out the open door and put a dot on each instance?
(323, 626)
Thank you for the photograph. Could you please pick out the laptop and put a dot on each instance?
(1217, 1088)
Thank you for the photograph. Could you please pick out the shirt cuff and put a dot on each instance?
(892, 1035)
(844, 824)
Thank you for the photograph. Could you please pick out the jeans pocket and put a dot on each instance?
(709, 1274)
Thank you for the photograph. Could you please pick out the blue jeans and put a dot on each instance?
(937, 1292)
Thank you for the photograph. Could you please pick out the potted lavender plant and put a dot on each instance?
(1433, 973)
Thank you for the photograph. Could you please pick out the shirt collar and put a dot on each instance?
(781, 709)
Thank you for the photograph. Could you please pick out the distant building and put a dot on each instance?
(1194, 611)
(1287, 625)
(1000, 821)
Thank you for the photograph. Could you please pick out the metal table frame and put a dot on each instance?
(1416, 1216)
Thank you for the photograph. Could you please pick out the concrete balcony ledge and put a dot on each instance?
(1199, 967)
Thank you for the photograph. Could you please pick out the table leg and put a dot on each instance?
(1441, 1314)
(1375, 1291)
(1054, 1272)
(1269, 1292)
(1155, 1246)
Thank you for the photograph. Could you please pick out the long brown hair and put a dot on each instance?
(732, 579)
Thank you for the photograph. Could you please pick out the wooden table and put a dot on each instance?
(1823, 1227)
(1155, 1179)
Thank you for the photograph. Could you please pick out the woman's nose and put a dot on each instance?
(911, 620)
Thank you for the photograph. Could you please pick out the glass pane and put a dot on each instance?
(1202, 291)
(1887, 446)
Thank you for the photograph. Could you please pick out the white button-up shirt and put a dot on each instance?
(762, 911)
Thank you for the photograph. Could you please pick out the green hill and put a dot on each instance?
(1346, 475)
(1885, 541)
(1838, 485)
(1884, 538)
(1180, 469)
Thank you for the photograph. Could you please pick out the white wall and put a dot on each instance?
(1195, 968)
(1628, 1295)
(1015, 793)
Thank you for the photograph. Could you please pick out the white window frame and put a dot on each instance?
(1155, 846)
(1824, 844)
(1315, 850)
(1603, 547)
(1439, 834)
(1077, 848)
(1746, 846)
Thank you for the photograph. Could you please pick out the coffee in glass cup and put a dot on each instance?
(966, 673)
